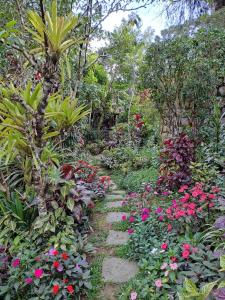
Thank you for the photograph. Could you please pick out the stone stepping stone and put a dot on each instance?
(113, 217)
(116, 238)
(114, 197)
(119, 192)
(117, 270)
(115, 204)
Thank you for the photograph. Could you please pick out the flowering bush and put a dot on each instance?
(46, 276)
(176, 158)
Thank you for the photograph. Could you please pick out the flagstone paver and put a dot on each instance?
(115, 204)
(118, 270)
(113, 217)
(114, 197)
(116, 238)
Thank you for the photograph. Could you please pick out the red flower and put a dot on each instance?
(164, 246)
(37, 75)
(55, 264)
(211, 196)
(55, 289)
(215, 189)
(65, 256)
(161, 218)
(55, 252)
(174, 259)
(65, 280)
(137, 117)
(70, 289)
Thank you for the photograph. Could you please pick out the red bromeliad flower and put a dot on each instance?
(65, 256)
(70, 289)
(55, 289)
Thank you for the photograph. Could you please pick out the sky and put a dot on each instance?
(153, 16)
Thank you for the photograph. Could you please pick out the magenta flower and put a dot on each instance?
(158, 283)
(38, 273)
(16, 263)
(161, 218)
(144, 217)
(130, 231)
(124, 217)
(28, 280)
(158, 210)
(131, 219)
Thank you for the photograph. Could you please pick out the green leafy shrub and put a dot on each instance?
(33, 275)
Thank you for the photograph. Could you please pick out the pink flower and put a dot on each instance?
(164, 246)
(124, 217)
(145, 211)
(211, 204)
(160, 218)
(133, 296)
(183, 188)
(130, 231)
(173, 258)
(211, 196)
(173, 266)
(144, 217)
(203, 197)
(16, 263)
(169, 227)
(197, 192)
(169, 211)
(186, 246)
(164, 266)
(185, 254)
(215, 189)
(158, 210)
(166, 193)
(190, 212)
(158, 283)
(148, 188)
(131, 219)
(28, 280)
(38, 273)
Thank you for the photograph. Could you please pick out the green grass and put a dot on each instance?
(121, 226)
(99, 238)
(135, 180)
(122, 251)
(96, 278)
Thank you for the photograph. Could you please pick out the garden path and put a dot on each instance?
(113, 270)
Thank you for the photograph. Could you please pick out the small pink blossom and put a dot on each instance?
(133, 296)
(183, 188)
(16, 263)
(28, 280)
(160, 218)
(164, 246)
(158, 283)
(164, 266)
(169, 227)
(38, 273)
(174, 266)
(144, 217)
(130, 231)
(124, 217)
(158, 210)
(131, 219)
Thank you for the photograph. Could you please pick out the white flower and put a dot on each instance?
(154, 250)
